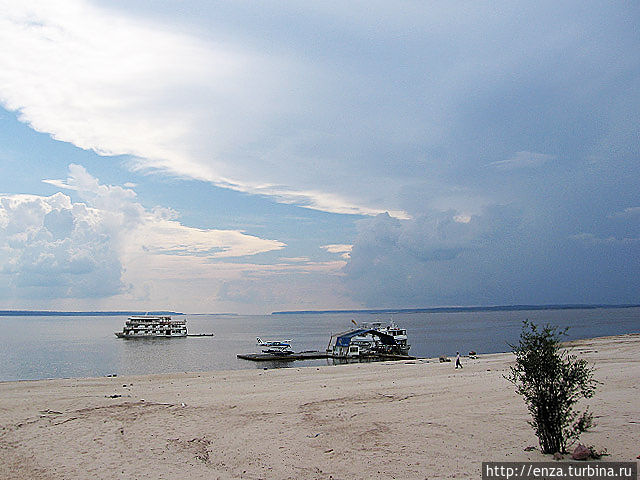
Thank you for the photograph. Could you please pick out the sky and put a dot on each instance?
(249, 156)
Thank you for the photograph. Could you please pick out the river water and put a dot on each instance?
(63, 346)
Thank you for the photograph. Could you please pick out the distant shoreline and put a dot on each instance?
(51, 313)
(492, 308)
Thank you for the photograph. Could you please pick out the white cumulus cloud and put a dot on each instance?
(343, 249)
(51, 247)
(88, 248)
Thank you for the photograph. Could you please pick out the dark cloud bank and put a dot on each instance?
(500, 257)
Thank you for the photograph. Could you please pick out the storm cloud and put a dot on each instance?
(502, 256)
(488, 150)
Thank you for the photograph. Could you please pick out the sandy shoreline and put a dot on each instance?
(404, 420)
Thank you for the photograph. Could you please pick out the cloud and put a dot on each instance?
(158, 235)
(295, 259)
(395, 262)
(522, 160)
(462, 218)
(84, 249)
(52, 248)
(156, 231)
(629, 212)
(174, 102)
(195, 284)
(499, 257)
(492, 134)
(343, 249)
(591, 239)
(334, 116)
(107, 251)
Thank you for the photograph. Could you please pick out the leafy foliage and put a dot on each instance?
(552, 381)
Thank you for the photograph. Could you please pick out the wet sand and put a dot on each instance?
(406, 420)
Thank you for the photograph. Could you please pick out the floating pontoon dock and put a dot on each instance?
(260, 357)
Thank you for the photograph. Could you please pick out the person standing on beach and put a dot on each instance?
(458, 364)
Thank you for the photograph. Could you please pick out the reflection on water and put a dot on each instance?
(45, 347)
(267, 364)
(344, 361)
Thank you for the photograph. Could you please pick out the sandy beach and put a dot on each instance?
(405, 420)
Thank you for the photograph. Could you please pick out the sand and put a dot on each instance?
(406, 420)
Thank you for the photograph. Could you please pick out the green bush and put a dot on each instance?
(551, 381)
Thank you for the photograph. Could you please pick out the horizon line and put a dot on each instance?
(477, 308)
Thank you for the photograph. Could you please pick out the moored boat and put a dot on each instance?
(153, 326)
(370, 340)
(399, 334)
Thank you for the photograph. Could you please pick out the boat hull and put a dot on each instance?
(124, 335)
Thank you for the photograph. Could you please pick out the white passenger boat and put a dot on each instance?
(153, 326)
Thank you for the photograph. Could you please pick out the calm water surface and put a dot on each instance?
(55, 347)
